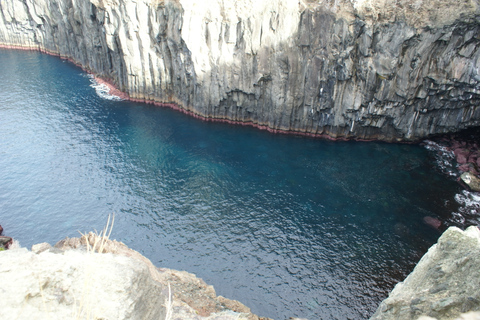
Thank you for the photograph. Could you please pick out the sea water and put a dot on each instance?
(288, 225)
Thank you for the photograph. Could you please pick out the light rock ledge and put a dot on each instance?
(69, 282)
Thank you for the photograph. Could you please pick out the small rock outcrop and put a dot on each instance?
(385, 69)
(443, 285)
(5, 242)
(471, 181)
(74, 281)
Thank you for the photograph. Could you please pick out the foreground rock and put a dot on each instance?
(94, 278)
(465, 316)
(444, 284)
(385, 69)
(70, 282)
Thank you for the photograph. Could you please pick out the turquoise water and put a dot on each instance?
(288, 225)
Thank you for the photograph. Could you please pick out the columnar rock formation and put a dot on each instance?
(385, 69)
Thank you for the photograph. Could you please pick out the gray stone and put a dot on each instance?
(441, 295)
(471, 181)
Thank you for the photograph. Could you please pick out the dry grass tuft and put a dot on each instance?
(99, 242)
(168, 304)
(96, 242)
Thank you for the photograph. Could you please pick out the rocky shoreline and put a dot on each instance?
(464, 148)
(457, 156)
(113, 90)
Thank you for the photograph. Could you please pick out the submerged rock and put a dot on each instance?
(386, 69)
(443, 285)
(433, 222)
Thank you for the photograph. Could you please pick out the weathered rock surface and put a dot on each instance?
(465, 316)
(384, 69)
(471, 181)
(5, 242)
(69, 282)
(443, 285)
(74, 284)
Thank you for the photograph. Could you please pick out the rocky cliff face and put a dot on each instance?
(389, 69)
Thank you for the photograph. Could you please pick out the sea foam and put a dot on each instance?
(102, 90)
(469, 211)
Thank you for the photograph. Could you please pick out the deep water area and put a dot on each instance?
(288, 225)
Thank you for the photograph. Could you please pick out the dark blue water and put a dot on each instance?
(290, 226)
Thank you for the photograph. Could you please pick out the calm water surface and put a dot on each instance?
(290, 226)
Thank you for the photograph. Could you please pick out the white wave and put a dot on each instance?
(469, 210)
(444, 158)
(102, 90)
(469, 199)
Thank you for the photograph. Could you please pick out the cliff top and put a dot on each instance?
(93, 277)
(417, 13)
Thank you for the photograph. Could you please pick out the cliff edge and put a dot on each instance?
(443, 285)
(96, 278)
(393, 70)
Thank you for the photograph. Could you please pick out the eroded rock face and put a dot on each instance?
(388, 70)
(443, 285)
